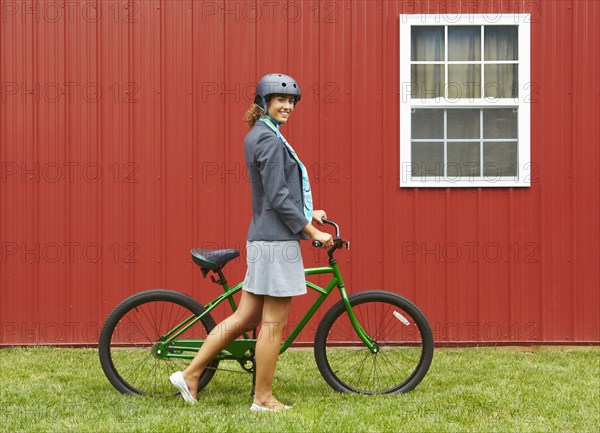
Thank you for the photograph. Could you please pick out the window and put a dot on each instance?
(464, 101)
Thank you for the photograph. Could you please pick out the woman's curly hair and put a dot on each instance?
(254, 113)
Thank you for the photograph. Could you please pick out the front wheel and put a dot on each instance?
(130, 336)
(400, 332)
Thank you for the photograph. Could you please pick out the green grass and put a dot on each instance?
(475, 389)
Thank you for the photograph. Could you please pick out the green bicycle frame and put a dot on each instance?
(169, 347)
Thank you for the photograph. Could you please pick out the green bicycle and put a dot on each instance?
(370, 342)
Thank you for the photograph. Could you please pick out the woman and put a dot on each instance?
(282, 214)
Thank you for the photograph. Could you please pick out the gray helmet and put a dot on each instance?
(276, 84)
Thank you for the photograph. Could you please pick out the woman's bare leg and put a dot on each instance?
(274, 318)
(246, 317)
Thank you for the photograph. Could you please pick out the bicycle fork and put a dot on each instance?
(365, 338)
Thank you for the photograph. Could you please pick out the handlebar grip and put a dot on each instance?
(317, 244)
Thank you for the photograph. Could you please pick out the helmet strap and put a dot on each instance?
(266, 112)
(261, 108)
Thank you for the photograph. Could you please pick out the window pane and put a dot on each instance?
(500, 123)
(501, 81)
(463, 123)
(501, 43)
(427, 43)
(428, 124)
(464, 81)
(500, 159)
(427, 159)
(464, 43)
(463, 160)
(427, 81)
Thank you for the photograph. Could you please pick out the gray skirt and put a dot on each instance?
(275, 268)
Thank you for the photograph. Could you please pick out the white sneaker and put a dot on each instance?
(258, 408)
(179, 382)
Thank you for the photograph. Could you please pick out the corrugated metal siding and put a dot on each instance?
(121, 149)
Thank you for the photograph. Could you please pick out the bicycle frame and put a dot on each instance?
(241, 349)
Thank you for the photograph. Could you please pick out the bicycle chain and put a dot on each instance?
(228, 370)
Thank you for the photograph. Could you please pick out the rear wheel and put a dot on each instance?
(129, 338)
(399, 330)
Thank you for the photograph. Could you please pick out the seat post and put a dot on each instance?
(221, 281)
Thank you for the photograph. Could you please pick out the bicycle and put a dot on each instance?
(369, 342)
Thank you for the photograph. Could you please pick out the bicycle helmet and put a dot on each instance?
(275, 84)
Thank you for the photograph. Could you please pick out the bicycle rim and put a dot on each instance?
(403, 339)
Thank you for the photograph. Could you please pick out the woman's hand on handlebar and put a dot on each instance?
(315, 234)
(325, 239)
(318, 216)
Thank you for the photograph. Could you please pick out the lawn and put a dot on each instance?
(469, 389)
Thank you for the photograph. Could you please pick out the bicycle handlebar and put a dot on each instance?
(318, 244)
(338, 242)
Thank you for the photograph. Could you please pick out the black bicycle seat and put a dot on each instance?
(213, 259)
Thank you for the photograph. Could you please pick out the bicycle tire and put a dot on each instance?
(130, 332)
(401, 331)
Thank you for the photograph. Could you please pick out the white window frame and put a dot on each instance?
(522, 102)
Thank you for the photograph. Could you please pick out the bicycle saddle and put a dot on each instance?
(213, 259)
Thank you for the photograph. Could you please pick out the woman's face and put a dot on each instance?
(281, 106)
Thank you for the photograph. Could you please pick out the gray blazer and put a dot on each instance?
(276, 185)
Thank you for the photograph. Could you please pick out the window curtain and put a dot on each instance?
(501, 43)
(464, 45)
(427, 46)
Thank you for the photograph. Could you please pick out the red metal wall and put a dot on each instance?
(121, 148)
